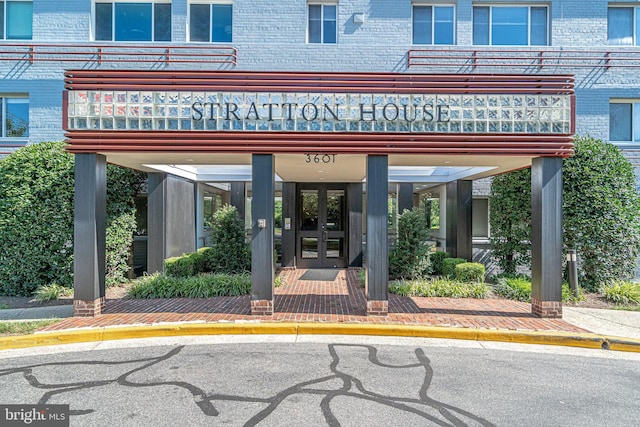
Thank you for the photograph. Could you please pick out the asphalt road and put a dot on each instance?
(337, 382)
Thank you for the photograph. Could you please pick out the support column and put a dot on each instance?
(288, 224)
(262, 210)
(405, 197)
(546, 237)
(238, 198)
(377, 236)
(90, 225)
(156, 222)
(459, 221)
(354, 200)
(171, 219)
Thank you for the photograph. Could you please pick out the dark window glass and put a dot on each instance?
(200, 21)
(133, 21)
(162, 22)
(481, 25)
(509, 26)
(2, 20)
(104, 21)
(620, 25)
(222, 22)
(19, 20)
(443, 25)
(315, 24)
(620, 123)
(329, 24)
(539, 26)
(422, 24)
(17, 119)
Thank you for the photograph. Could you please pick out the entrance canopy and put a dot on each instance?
(320, 126)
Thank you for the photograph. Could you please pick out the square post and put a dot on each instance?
(459, 219)
(546, 237)
(262, 228)
(377, 236)
(89, 226)
(405, 196)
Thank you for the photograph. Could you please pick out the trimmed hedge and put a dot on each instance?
(187, 265)
(437, 259)
(201, 286)
(36, 219)
(449, 266)
(470, 272)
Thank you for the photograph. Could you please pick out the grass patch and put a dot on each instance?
(24, 328)
(51, 292)
(201, 286)
(620, 292)
(518, 288)
(440, 287)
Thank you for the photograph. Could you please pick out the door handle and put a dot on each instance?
(325, 235)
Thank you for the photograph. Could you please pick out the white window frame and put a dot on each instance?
(3, 36)
(113, 20)
(18, 100)
(634, 19)
(322, 4)
(635, 120)
(491, 6)
(433, 23)
(209, 2)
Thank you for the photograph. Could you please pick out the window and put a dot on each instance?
(133, 21)
(211, 22)
(480, 218)
(624, 121)
(623, 26)
(323, 27)
(510, 25)
(433, 25)
(15, 117)
(16, 20)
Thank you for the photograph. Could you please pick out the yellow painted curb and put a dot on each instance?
(584, 340)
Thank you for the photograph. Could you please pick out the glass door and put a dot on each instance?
(322, 231)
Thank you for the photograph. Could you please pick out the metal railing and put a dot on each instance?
(118, 53)
(541, 59)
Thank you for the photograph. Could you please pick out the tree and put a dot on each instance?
(229, 252)
(409, 259)
(510, 220)
(601, 212)
(36, 218)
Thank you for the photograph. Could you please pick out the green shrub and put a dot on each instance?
(409, 259)
(36, 219)
(449, 266)
(518, 288)
(470, 272)
(362, 277)
(200, 286)
(440, 287)
(437, 258)
(621, 292)
(229, 252)
(181, 266)
(51, 292)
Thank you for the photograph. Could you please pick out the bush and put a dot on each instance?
(449, 266)
(36, 219)
(201, 286)
(621, 292)
(180, 266)
(436, 261)
(518, 288)
(51, 292)
(229, 252)
(470, 272)
(601, 212)
(409, 259)
(440, 287)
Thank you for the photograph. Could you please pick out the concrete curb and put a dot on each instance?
(584, 340)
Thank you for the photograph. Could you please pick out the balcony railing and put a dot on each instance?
(121, 53)
(483, 59)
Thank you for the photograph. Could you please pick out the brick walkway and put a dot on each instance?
(342, 300)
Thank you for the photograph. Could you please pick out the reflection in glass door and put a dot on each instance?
(322, 230)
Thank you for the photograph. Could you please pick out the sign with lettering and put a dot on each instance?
(319, 112)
